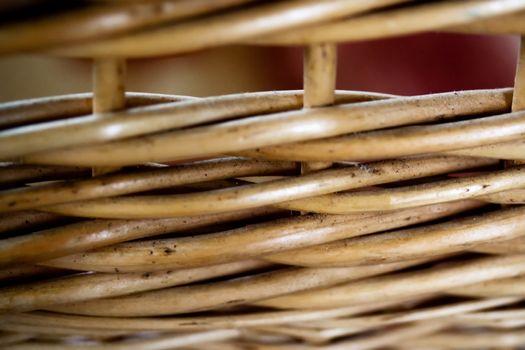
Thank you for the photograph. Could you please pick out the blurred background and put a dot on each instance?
(416, 64)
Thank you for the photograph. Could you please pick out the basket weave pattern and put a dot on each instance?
(282, 220)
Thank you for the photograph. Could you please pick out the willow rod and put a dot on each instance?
(26, 220)
(365, 342)
(458, 309)
(247, 133)
(416, 283)
(43, 109)
(439, 239)
(505, 287)
(13, 174)
(512, 246)
(228, 293)
(251, 319)
(43, 331)
(480, 187)
(505, 150)
(508, 313)
(395, 22)
(515, 196)
(138, 181)
(225, 28)
(150, 119)
(137, 121)
(24, 272)
(96, 22)
(466, 340)
(157, 343)
(109, 80)
(266, 193)
(512, 23)
(251, 241)
(14, 337)
(84, 287)
(406, 141)
(78, 237)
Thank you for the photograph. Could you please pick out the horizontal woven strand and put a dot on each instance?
(142, 120)
(505, 150)
(158, 343)
(227, 293)
(251, 241)
(480, 187)
(432, 240)
(50, 332)
(409, 141)
(506, 287)
(512, 246)
(459, 309)
(84, 287)
(505, 24)
(252, 319)
(367, 341)
(96, 22)
(396, 22)
(22, 272)
(226, 28)
(26, 220)
(130, 182)
(266, 193)
(455, 340)
(13, 174)
(274, 26)
(417, 283)
(78, 237)
(258, 131)
(43, 109)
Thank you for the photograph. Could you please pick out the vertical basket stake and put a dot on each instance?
(319, 75)
(518, 96)
(108, 92)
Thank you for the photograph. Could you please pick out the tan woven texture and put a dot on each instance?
(289, 220)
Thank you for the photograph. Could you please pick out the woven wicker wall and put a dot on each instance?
(281, 220)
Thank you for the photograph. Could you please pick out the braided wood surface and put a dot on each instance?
(282, 220)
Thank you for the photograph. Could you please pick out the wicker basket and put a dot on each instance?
(270, 220)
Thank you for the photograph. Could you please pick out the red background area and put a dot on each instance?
(416, 64)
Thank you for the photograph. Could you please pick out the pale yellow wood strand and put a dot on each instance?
(251, 241)
(98, 128)
(469, 341)
(505, 287)
(86, 235)
(395, 22)
(449, 237)
(251, 319)
(275, 129)
(22, 112)
(416, 283)
(459, 310)
(226, 28)
(483, 187)
(97, 22)
(227, 293)
(158, 343)
(84, 287)
(267, 193)
(139, 181)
